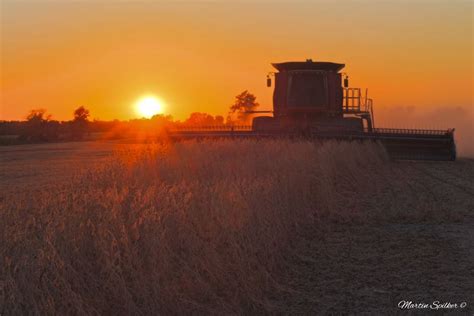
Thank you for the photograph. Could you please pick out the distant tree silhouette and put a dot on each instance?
(159, 123)
(244, 102)
(80, 122)
(219, 120)
(40, 127)
(38, 116)
(161, 120)
(81, 114)
(198, 118)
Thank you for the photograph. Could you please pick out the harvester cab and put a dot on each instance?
(310, 95)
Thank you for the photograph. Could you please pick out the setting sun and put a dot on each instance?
(149, 106)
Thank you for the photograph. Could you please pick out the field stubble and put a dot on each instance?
(228, 227)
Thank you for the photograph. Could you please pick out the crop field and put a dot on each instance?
(231, 227)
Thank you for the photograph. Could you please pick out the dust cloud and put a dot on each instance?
(461, 118)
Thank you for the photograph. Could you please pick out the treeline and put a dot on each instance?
(40, 127)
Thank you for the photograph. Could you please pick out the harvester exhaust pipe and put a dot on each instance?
(346, 82)
(269, 81)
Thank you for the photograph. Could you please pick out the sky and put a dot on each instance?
(198, 55)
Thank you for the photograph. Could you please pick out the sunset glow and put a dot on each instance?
(223, 157)
(149, 106)
(52, 59)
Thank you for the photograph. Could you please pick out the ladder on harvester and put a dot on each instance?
(354, 103)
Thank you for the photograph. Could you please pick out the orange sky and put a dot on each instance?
(198, 55)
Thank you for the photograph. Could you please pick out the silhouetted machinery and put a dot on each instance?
(313, 100)
(309, 96)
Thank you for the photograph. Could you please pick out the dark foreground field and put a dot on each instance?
(221, 227)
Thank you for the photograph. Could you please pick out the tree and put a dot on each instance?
(244, 103)
(203, 119)
(81, 114)
(219, 120)
(39, 126)
(80, 122)
(38, 116)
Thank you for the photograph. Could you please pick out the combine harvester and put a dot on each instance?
(311, 101)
